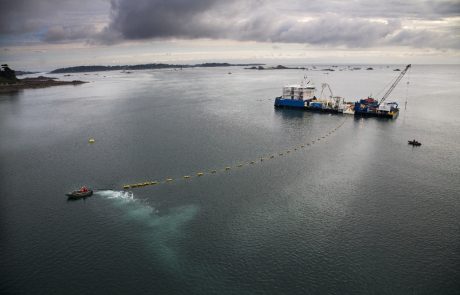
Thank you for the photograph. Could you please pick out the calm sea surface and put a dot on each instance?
(358, 212)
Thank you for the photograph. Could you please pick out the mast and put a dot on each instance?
(401, 75)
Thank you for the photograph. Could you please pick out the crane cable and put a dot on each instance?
(407, 87)
(386, 87)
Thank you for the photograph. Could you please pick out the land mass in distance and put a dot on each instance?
(96, 68)
(37, 82)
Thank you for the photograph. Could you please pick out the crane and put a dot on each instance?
(401, 75)
(331, 97)
(324, 85)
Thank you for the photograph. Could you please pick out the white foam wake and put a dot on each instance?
(121, 195)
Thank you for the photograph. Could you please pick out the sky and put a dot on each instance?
(46, 34)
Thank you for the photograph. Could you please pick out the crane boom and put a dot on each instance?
(324, 85)
(394, 84)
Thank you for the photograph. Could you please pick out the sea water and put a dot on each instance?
(357, 212)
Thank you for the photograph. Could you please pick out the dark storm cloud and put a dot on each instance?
(161, 18)
(361, 23)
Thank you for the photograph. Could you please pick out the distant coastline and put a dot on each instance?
(98, 68)
(278, 67)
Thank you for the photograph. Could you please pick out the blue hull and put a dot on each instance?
(290, 103)
(362, 110)
(301, 105)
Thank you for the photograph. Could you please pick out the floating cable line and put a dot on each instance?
(260, 159)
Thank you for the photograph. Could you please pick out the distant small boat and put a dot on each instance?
(79, 194)
(414, 143)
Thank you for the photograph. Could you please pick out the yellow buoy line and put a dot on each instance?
(241, 164)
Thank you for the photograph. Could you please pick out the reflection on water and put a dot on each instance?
(10, 96)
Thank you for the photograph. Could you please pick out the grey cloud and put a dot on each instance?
(358, 23)
(425, 38)
(445, 8)
(423, 9)
(337, 31)
(328, 23)
(42, 18)
(68, 33)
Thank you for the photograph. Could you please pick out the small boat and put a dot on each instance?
(79, 194)
(414, 143)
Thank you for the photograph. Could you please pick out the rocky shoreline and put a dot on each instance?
(38, 82)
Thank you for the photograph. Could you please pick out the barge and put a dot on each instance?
(303, 97)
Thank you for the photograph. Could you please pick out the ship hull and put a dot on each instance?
(302, 105)
(388, 115)
(290, 103)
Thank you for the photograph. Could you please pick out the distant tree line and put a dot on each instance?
(142, 67)
(7, 74)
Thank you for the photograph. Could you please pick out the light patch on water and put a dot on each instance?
(164, 231)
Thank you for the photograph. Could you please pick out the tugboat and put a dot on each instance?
(414, 143)
(83, 192)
